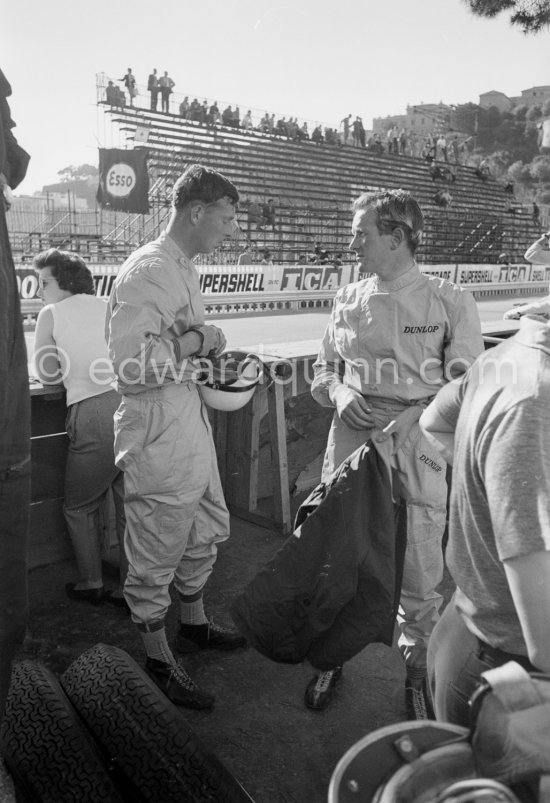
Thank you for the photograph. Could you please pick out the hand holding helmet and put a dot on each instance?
(230, 381)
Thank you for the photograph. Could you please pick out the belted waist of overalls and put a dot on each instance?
(386, 409)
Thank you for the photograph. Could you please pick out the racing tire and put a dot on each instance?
(146, 736)
(50, 755)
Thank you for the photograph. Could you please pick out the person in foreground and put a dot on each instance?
(70, 347)
(493, 424)
(392, 341)
(175, 510)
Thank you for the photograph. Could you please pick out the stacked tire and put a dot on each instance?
(106, 724)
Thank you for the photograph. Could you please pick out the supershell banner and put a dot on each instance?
(321, 279)
(223, 279)
(123, 180)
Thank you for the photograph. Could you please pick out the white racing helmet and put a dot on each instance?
(229, 381)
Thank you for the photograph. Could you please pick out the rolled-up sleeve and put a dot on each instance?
(465, 342)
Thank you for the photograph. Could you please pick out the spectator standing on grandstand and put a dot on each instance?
(362, 133)
(247, 256)
(255, 216)
(317, 135)
(441, 148)
(403, 141)
(292, 128)
(121, 97)
(227, 116)
(493, 425)
(281, 127)
(425, 152)
(153, 89)
(166, 86)
(455, 149)
(266, 258)
(392, 340)
(69, 347)
(247, 123)
(395, 139)
(536, 214)
(345, 126)
(112, 94)
(184, 107)
(214, 113)
(268, 212)
(175, 510)
(356, 132)
(195, 110)
(129, 81)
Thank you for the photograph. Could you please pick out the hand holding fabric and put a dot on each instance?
(351, 407)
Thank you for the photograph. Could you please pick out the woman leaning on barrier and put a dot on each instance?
(70, 347)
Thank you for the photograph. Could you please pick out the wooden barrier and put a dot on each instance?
(269, 452)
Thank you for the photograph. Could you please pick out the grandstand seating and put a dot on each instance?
(313, 187)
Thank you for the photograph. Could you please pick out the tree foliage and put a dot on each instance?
(530, 15)
(72, 173)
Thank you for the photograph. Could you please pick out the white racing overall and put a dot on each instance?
(397, 343)
(175, 510)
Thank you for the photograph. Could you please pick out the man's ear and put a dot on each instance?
(196, 212)
(397, 237)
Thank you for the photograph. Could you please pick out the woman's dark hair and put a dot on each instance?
(198, 183)
(69, 270)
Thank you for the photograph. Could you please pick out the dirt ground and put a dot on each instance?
(279, 750)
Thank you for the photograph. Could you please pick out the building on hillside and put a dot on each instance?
(534, 96)
(495, 98)
(422, 119)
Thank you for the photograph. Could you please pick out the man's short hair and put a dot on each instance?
(69, 270)
(395, 209)
(198, 183)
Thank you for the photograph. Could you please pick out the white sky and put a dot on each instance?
(315, 59)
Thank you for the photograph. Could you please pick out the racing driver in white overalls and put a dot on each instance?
(392, 341)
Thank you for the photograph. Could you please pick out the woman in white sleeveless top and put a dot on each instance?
(70, 347)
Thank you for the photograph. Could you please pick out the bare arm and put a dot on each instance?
(439, 428)
(529, 580)
(438, 433)
(46, 356)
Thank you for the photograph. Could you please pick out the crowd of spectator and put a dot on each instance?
(437, 146)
